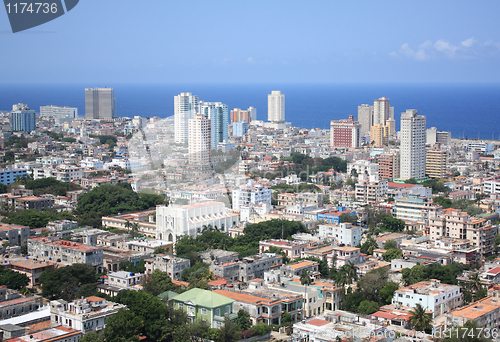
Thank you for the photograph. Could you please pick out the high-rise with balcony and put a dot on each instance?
(276, 107)
(22, 118)
(382, 111)
(199, 142)
(413, 137)
(365, 118)
(248, 115)
(99, 103)
(185, 108)
(217, 113)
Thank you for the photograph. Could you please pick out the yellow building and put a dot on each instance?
(379, 135)
(435, 166)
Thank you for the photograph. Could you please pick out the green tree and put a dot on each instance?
(305, 278)
(157, 283)
(387, 292)
(390, 245)
(92, 337)
(348, 218)
(392, 224)
(419, 319)
(228, 332)
(63, 282)
(243, 320)
(393, 253)
(12, 279)
(123, 326)
(369, 245)
(367, 308)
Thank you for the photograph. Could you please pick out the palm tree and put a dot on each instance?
(351, 272)
(135, 228)
(128, 225)
(475, 282)
(305, 278)
(419, 319)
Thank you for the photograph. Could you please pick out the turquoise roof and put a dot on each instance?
(207, 299)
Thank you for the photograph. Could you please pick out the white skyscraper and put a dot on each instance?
(413, 137)
(218, 114)
(382, 111)
(276, 106)
(199, 142)
(185, 107)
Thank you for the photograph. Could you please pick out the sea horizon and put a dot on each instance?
(468, 110)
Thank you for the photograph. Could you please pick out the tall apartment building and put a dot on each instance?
(379, 135)
(345, 133)
(435, 165)
(365, 117)
(454, 223)
(388, 165)
(57, 112)
(185, 108)
(248, 115)
(382, 111)
(199, 142)
(434, 136)
(100, 103)
(371, 189)
(22, 118)
(276, 106)
(413, 138)
(217, 113)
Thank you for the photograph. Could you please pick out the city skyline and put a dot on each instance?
(319, 41)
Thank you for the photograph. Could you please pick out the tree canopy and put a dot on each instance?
(111, 200)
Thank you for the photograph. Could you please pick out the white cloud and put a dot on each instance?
(468, 42)
(250, 60)
(445, 46)
(419, 55)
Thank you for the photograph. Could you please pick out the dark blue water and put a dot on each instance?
(467, 110)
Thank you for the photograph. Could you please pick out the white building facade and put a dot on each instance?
(413, 138)
(276, 106)
(185, 107)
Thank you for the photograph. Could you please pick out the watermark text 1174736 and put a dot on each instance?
(26, 14)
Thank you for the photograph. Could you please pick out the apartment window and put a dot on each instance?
(228, 309)
(203, 311)
(217, 312)
(181, 306)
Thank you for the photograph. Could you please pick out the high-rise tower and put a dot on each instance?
(276, 107)
(99, 103)
(185, 107)
(413, 136)
(218, 114)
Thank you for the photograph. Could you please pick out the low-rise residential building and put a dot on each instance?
(53, 334)
(413, 207)
(333, 216)
(453, 223)
(293, 250)
(167, 263)
(484, 312)
(341, 233)
(9, 174)
(14, 234)
(86, 315)
(306, 199)
(250, 194)
(33, 269)
(33, 202)
(205, 306)
(343, 255)
(294, 270)
(12, 304)
(261, 309)
(431, 295)
(65, 252)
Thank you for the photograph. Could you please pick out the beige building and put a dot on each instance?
(379, 135)
(454, 223)
(436, 162)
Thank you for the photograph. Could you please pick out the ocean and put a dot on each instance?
(467, 110)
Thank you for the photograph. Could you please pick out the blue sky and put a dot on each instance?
(103, 41)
